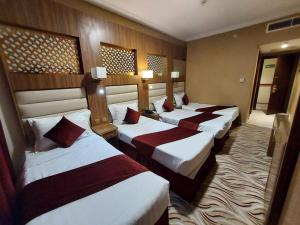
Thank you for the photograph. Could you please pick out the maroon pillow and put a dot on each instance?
(132, 116)
(168, 106)
(64, 133)
(185, 100)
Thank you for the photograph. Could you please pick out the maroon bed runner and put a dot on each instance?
(214, 108)
(49, 193)
(146, 144)
(194, 121)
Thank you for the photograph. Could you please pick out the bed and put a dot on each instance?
(218, 125)
(118, 202)
(232, 112)
(184, 169)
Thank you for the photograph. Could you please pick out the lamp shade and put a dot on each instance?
(174, 74)
(147, 74)
(99, 72)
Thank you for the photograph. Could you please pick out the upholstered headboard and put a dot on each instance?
(156, 91)
(121, 94)
(178, 87)
(44, 103)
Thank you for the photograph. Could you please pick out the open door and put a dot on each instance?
(279, 90)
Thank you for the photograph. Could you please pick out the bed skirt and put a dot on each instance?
(164, 219)
(219, 143)
(181, 185)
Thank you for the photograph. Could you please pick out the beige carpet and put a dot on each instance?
(233, 193)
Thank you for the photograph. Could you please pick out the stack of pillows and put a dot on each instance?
(125, 113)
(181, 99)
(60, 131)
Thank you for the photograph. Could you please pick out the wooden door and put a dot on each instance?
(280, 86)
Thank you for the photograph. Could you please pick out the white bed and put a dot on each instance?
(185, 156)
(232, 112)
(122, 203)
(178, 90)
(218, 126)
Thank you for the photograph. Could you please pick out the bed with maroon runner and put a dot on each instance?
(69, 186)
(182, 156)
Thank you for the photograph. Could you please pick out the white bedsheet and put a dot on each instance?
(233, 112)
(123, 203)
(218, 126)
(185, 156)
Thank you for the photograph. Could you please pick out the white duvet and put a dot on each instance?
(184, 156)
(232, 112)
(218, 126)
(123, 203)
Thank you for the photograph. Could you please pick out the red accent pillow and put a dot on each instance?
(132, 116)
(64, 133)
(168, 106)
(185, 100)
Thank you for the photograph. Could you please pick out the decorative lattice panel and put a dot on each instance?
(180, 66)
(29, 51)
(118, 60)
(157, 63)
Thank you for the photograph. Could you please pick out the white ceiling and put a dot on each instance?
(191, 19)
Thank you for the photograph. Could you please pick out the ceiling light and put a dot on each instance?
(284, 45)
(203, 2)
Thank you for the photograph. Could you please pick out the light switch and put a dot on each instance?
(242, 79)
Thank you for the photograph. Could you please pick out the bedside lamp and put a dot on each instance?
(174, 75)
(147, 74)
(98, 73)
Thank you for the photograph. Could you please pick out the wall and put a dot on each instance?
(215, 64)
(92, 25)
(294, 94)
(266, 81)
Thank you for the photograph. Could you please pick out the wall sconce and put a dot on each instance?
(147, 74)
(98, 73)
(175, 75)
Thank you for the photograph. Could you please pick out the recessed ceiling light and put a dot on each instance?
(203, 2)
(284, 45)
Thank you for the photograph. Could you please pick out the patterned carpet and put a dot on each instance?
(233, 193)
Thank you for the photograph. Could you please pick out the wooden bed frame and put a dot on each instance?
(181, 185)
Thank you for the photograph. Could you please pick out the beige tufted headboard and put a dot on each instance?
(44, 103)
(156, 91)
(178, 87)
(121, 94)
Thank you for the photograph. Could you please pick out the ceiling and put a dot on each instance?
(192, 19)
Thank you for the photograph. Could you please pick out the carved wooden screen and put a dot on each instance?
(157, 63)
(180, 66)
(30, 51)
(118, 60)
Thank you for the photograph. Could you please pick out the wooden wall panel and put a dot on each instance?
(61, 17)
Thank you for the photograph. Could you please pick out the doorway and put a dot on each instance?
(273, 85)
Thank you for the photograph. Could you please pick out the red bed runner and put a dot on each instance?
(48, 193)
(146, 144)
(214, 108)
(194, 121)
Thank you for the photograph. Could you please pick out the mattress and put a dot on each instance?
(184, 156)
(233, 112)
(218, 126)
(122, 203)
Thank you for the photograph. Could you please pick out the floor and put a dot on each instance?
(233, 192)
(259, 118)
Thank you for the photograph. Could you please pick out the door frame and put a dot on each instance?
(259, 68)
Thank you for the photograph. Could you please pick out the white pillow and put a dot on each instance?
(178, 98)
(40, 126)
(158, 105)
(121, 110)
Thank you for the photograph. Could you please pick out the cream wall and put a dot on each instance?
(215, 65)
(294, 94)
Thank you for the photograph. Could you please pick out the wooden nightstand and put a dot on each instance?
(153, 115)
(106, 130)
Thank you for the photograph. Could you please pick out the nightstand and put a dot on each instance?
(153, 115)
(106, 130)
